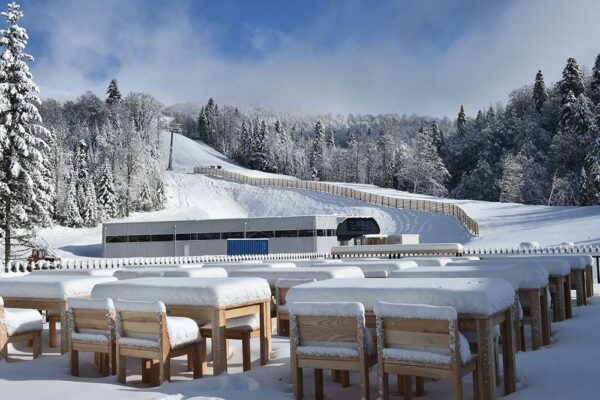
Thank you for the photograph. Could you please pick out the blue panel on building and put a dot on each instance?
(237, 247)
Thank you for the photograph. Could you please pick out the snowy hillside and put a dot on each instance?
(197, 197)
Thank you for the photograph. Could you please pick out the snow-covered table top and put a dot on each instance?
(200, 292)
(478, 296)
(554, 267)
(575, 261)
(76, 272)
(241, 265)
(170, 273)
(430, 261)
(373, 265)
(406, 248)
(60, 287)
(520, 278)
(190, 265)
(318, 273)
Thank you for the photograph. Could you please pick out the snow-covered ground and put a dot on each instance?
(197, 197)
(566, 369)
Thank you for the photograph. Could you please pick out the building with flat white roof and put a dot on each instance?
(299, 234)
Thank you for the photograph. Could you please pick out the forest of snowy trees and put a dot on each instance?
(542, 147)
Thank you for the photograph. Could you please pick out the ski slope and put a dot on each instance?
(193, 196)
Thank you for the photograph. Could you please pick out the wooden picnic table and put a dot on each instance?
(318, 273)
(204, 300)
(49, 292)
(481, 303)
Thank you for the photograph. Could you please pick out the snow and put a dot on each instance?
(483, 296)
(414, 311)
(453, 248)
(431, 261)
(22, 320)
(251, 321)
(93, 304)
(372, 264)
(89, 337)
(76, 272)
(157, 307)
(230, 267)
(182, 331)
(329, 309)
(428, 355)
(376, 273)
(318, 273)
(209, 292)
(50, 287)
(533, 277)
(556, 266)
(170, 272)
(290, 282)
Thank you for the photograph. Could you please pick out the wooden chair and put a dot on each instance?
(422, 341)
(330, 336)
(144, 331)
(19, 325)
(91, 329)
(241, 328)
(283, 316)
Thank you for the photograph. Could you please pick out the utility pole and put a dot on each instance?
(174, 128)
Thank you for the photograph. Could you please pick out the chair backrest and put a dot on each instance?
(95, 316)
(418, 327)
(283, 285)
(142, 320)
(328, 324)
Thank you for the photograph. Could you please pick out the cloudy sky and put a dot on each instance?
(423, 57)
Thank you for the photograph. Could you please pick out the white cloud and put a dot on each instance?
(178, 63)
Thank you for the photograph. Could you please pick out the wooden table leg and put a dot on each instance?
(218, 342)
(567, 291)
(508, 352)
(64, 329)
(577, 281)
(558, 300)
(583, 286)
(546, 327)
(265, 332)
(535, 312)
(589, 279)
(485, 346)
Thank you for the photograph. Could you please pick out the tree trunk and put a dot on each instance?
(7, 230)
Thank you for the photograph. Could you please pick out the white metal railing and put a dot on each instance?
(388, 201)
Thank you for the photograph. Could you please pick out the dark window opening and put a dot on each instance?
(140, 238)
(306, 233)
(116, 239)
(285, 234)
(260, 234)
(232, 235)
(208, 236)
(162, 238)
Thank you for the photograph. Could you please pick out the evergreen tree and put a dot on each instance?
(113, 93)
(107, 195)
(595, 82)
(461, 122)
(437, 135)
(145, 198)
(586, 196)
(316, 153)
(592, 160)
(427, 170)
(81, 173)
(572, 80)
(89, 211)
(353, 160)
(478, 184)
(25, 192)
(330, 140)
(539, 91)
(385, 148)
(71, 213)
(259, 157)
(511, 183)
(161, 195)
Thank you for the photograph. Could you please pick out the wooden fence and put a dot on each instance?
(338, 190)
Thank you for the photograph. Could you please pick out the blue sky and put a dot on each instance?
(424, 57)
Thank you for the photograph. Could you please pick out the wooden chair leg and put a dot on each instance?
(122, 369)
(522, 337)
(384, 387)
(420, 383)
(146, 365)
(497, 365)
(105, 364)
(29, 342)
(166, 370)
(197, 360)
(37, 344)
(335, 376)
(52, 333)
(156, 373)
(74, 362)
(407, 387)
(319, 384)
(279, 327)
(299, 377)
(113, 359)
(476, 386)
(345, 379)
(246, 360)
(364, 382)
(457, 388)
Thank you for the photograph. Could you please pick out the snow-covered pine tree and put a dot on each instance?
(511, 183)
(25, 192)
(80, 164)
(330, 140)
(107, 193)
(540, 95)
(461, 122)
(316, 153)
(592, 159)
(572, 80)
(160, 195)
(89, 211)
(594, 92)
(353, 159)
(586, 197)
(471, 187)
(113, 94)
(71, 210)
(426, 169)
(145, 201)
(385, 148)
(259, 156)
(437, 136)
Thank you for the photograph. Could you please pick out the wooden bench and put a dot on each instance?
(18, 325)
(91, 329)
(330, 336)
(422, 341)
(144, 331)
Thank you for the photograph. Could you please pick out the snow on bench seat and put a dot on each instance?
(61, 286)
(170, 273)
(556, 267)
(242, 265)
(373, 265)
(408, 249)
(208, 292)
(318, 273)
(76, 272)
(520, 278)
(481, 296)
